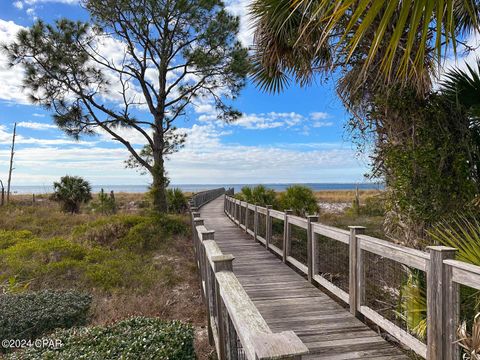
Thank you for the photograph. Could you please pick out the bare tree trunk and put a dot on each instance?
(12, 152)
(3, 194)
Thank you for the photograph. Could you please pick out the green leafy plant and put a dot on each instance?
(72, 191)
(132, 339)
(300, 199)
(105, 203)
(29, 315)
(413, 304)
(259, 195)
(13, 286)
(177, 201)
(461, 232)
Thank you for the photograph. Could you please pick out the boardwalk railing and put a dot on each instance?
(235, 326)
(201, 198)
(443, 274)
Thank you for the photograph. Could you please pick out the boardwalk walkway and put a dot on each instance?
(287, 301)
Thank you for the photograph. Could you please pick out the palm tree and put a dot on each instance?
(72, 191)
(463, 88)
(397, 40)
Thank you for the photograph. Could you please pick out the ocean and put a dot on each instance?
(45, 189)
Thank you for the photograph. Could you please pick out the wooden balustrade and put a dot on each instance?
(201, 198)
(235, 326)
(443, 274)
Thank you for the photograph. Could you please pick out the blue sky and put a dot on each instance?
(297, 136)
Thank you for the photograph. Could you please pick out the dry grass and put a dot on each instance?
(344, 196)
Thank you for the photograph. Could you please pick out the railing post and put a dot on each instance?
(287, 239)
(221, 263)
(310, 246)
(355, 288)
(452, 315)
(237, 207)
(195, 215)
(268, 227)
(255, 223)
(207, 235)
(197, 221)
(246, 217)
(437, 304)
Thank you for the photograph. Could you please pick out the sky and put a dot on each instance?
(296, 136)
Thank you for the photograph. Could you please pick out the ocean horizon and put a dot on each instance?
(46, 189)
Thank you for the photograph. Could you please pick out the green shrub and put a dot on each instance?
(105, 204)
(111, 269)
(29, 315)
(9, 238)
(56, 259)
(374, 206)
(174, 224)
(71, 192)
(300, 199)
(177, 201)
(132, 232)
(259, 195)
(60, 262)
(107, 231)
(132, 339)
(154, 233)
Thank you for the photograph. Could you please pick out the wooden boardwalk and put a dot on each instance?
(287, 301)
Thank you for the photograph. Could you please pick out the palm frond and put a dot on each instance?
(395, 38)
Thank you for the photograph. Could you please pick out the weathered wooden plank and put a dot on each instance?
(404, 337)
(436, 304)
(355, 287)
(411, 257)
(298, 221)
(331, 232)
(332, 288)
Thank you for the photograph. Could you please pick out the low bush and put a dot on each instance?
(132, 339)
(45, 260)
(105, 203)
(132, 232)
(300, 199)
(29, 315)
(259, 195)
(177, 201)
(106, 231)
(9, 238)
(373, 206)
(62, 263)
(115, 269)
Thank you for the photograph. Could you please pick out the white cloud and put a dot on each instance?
(36, 125)
(34, 2)
(319, 115)
(240, 8)
(18, 5)
(319, 124)
(470, 58)
(6, 139)
(38, 115)
(10, 78)
(274, 120)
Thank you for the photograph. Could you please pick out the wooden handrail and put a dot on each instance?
(444, 275)
(232, 316)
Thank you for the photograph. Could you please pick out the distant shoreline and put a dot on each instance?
(45, 189)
